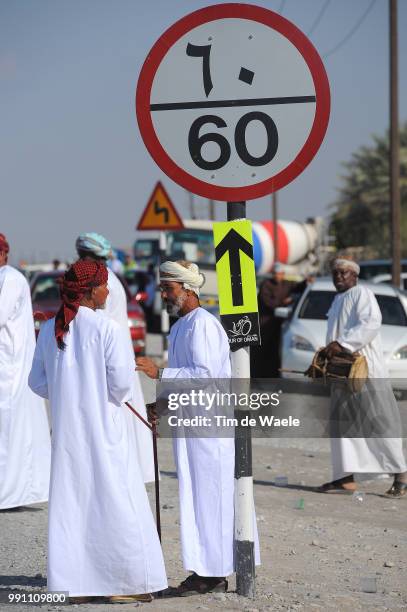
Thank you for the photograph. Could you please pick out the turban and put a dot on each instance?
(343, 262)
(4, 245)
(94, 243)
(76, 282)
(187, 274)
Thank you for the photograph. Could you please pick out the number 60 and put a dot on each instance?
(196, 142)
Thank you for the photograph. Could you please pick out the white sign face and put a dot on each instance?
(234, 104)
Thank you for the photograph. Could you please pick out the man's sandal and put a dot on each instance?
(123, 599)
(81, 600)
(337, 486)
(397, 490)
(200, 585)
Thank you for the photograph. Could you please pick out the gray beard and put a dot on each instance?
(174, 309)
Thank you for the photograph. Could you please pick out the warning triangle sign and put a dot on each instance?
(160, 212)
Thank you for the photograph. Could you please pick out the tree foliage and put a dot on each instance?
(361, 216)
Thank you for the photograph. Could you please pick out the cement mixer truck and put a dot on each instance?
(298, 245)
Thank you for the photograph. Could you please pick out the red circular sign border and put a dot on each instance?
(312, 59)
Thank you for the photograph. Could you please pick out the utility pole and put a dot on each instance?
(211, 206)
(274, 216)
(192, 205)
(395, 238)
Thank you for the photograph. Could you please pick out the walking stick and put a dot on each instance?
(153, 429)
(157, 481)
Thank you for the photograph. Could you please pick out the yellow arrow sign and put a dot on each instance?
(235, 267)
(160, 213)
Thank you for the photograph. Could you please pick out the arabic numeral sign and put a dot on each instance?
(240, 139)
(233, 102)
(203, 51)
(196, 142)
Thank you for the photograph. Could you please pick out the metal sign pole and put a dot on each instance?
(274, 207)
(244, 532)
(165, 319)
(238, 173)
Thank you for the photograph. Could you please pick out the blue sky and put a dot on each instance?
(71, 155)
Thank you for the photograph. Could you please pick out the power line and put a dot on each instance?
(318, 17)
(352, 31)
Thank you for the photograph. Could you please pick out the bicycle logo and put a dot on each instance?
(242, 327)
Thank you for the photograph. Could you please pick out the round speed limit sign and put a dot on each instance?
(233, 102)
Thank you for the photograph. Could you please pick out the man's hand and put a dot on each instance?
(152, 413)
(147, 365)
(332, 349)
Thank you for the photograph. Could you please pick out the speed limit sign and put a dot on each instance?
(233, 102)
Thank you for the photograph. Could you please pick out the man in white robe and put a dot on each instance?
(102, 540)
(354, 322)
(95, 246)
(198, 348)
(25, 447)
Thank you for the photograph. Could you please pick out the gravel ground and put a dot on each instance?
(318, 557)
(319, 552)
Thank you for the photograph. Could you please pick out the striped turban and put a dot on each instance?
(94, 244)
(81, 277)
(184, 272)
(347, 263)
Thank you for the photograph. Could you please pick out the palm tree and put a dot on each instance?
(361, 216)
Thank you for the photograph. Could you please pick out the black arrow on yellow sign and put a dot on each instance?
(233, 243)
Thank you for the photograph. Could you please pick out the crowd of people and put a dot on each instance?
(83, 366)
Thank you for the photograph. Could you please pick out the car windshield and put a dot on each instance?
(317, 303)
(193, 245)
(370, 269)
(144, 248)
(45, 289)
(392, 309)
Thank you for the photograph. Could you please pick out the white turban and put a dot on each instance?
(346, 263)
(190, 276)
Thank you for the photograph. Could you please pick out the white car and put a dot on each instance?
(386, 278)
(305, 332)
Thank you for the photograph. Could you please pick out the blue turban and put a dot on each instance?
(94, 243)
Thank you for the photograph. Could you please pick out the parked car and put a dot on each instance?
(305, 332)
(372, 267)
(30, 270)
(46, 302)
(387, 278)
